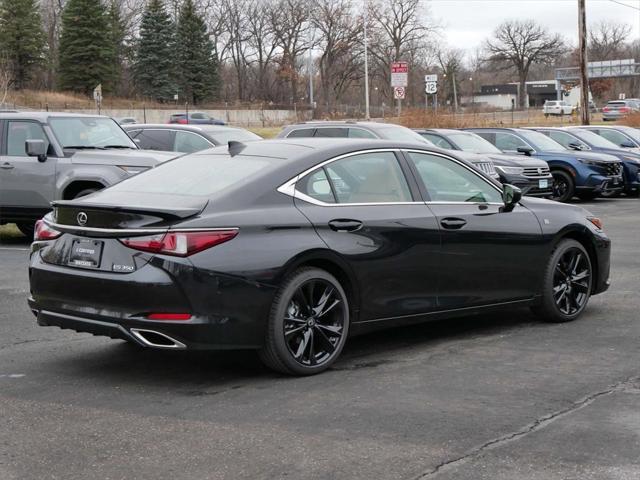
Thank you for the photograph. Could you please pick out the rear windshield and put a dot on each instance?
(617, 103)
(197, 175)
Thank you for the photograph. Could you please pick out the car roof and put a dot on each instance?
(443, 131)
(44, 116)
(501, 129)
(295, 149)
(178, 126)
(341, 123)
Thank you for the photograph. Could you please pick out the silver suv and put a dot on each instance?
(48, 156)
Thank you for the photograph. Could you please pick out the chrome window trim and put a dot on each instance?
(289, 188)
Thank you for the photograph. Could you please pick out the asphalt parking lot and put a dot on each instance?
(486, 397)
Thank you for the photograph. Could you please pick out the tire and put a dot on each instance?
(85, 192)
(565, 289)
(588, 195)
(27, 229)
(302, 343)
(563, 187)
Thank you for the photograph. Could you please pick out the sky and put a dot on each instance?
(468, 22)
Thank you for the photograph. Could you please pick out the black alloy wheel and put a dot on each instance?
(308, 325)
(563, 187)
(568, 283)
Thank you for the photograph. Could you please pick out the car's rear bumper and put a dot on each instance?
(226, 312)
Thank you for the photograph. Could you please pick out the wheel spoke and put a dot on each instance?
(579, 276)
(293, 331)
(312, 352)
(295, 320)
(331, 329)
(326, 340)
(575, 261)
(322, 302)
(559, 288)
(302, 346)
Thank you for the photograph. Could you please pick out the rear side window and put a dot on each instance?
(508, 141)
(196, 175)
(19, 132)
(565, 139)
(302, 132)
(332, 132)
(156, 140)
(613, 136)
(188, 142)
(360, 133)
(316, 185)
(438, 141)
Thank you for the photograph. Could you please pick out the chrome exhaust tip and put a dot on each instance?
(154, 339)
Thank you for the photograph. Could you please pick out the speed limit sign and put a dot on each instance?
(398, 93)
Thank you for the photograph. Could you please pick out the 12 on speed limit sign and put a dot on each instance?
(398, 93)
(430, 88)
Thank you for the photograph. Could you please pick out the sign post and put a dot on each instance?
(399, 81)
(431, 88)
(97, 96)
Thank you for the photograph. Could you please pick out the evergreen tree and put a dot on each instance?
(153, 65)
(86, 54)
(117, 34)
(197, 66)
(22, 41)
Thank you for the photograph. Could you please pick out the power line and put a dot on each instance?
(625, 4)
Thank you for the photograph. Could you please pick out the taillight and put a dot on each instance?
(169, 316)
(606, 109)
(179, 244)
(182, 121)
(44, 232)
(624, 109)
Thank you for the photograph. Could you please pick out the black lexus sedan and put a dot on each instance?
(290, 246)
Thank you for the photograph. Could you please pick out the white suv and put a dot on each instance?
(556, 107)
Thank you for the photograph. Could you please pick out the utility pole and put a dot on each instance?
(582, 46)
(310, 72)
(365, 17)
(455, 92)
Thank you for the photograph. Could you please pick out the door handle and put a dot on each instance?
(6, 166)
(453, 223)
(345, 225)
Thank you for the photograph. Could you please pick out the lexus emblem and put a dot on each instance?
(82, 218)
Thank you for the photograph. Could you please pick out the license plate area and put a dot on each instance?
(86, 253)
(543, 183)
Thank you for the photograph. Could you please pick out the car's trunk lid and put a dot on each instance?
(108, 213)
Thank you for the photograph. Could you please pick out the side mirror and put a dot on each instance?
(575, 146)
(36, 148)
(627, 144)
(526, 150)
(510, 196)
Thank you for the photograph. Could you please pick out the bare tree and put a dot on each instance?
(451, 63)
(608, 40)
(236, 22)
(518, 45)
(262, 41)
(339, 39)
(400, 29)
(290, 23)
(5, 79)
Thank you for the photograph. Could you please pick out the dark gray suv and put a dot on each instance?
(47, 156)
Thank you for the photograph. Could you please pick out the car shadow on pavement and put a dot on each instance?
(122, 363)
